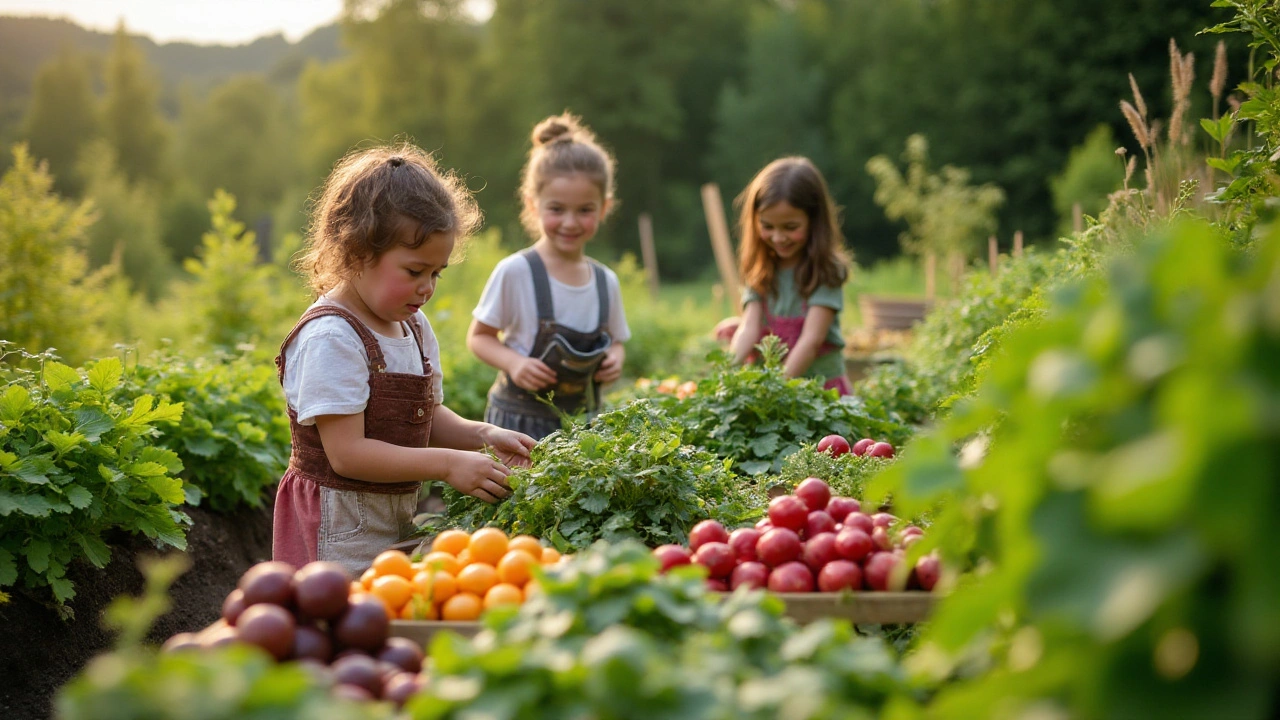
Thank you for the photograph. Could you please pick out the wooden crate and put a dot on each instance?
(863, 608)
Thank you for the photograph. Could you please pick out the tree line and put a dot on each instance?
(683, 93)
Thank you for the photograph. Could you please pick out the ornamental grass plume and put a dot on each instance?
(1137, 124)
(1182, 72)
(1218, 83)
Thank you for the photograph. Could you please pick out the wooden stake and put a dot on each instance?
(955, 263)
(1077, 217)
(718, 227)
(1017, 244)
(649, 253)
(993, 254)
(930, 275)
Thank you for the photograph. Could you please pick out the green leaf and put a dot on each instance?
(33, 505)
(95, 549)
(92, 423)
(146, 469)
(78, 496)
(1227, 165)
(63, 442)
(59, 377)
(37, 553)
(756, 467)
(62, 589)
(205, 446)
(8, 568)
(15, 401)
(594, 502)
(33, 469)
(169, 489)
(105, 374)
(764, 446)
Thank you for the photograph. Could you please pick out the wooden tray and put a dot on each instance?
(863, 608)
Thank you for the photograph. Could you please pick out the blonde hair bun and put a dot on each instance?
(557, 128)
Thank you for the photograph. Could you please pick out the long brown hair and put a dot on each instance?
(797, 182)
(368, 198)
(562, 145)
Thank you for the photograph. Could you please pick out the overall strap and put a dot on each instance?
(541, 286)
(416, 329)
(371, 347)
(602, 293)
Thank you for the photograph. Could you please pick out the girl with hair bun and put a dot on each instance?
(551, 318)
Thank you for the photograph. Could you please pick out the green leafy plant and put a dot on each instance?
(629, 474)
(756, 417)
(1116, 485)
(234, 435)
(846, 474)
(78, 459)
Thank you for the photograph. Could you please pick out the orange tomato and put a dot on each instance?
(419, 608)
(440, 561)
(516, 567)
(477, 578)
(356, 587)
(393, 562)
(462, 607)
(394, 590)
(503, 594)
(464, 558)
(435, 585)
(528, 543)
(367, 578)
(550, 556)
(488, 545)
(450, 541)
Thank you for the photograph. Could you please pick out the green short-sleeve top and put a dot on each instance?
(787, 302)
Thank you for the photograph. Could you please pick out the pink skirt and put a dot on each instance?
(295, 530)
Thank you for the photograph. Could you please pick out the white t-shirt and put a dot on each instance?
(509, 304)
(326, 370)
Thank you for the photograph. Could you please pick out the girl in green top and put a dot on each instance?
(793, 265)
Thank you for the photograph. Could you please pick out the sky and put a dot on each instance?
(228, 22)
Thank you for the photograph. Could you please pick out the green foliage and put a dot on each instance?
(755, 416)
(61, 118)
(78, 459)
(943, 212)
(666, 338)
(40, 259)
(610, 637)
(630, 474)
(242, 681)
(233, 439)
(131, 121)
(1117, 483)
(1091, 174)
(847, 475)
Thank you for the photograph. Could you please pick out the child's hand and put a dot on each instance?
(478, 475)
(532, 374)
(510, 446)
(611, 367)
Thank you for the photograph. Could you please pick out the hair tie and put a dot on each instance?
(396, 161)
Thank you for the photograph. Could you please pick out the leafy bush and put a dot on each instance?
(1117, 482)
(756, 417)
(847, 475)
(627, 475)
(234, 435)
(78, 459)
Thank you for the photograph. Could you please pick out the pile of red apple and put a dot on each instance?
(310, 616)
(836, 445)
(809, 542)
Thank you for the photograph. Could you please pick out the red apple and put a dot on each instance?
(717, 558)
(859, 521)
(839, 507)
(743, 541)
(883, 519)
(878, 571)
(788, 511)
(820, 550)
(705, 532)
(717, 585)
(860, 448)
(927, 570)
(880, 450)
(671, 556)
(778, 546)
(763, 524)
(840, 575)
(751, 574)
(833, 444)
(853, 544)
(792, 577)
(880, 538)
(908, 540)
(819, 522)
(814, 492)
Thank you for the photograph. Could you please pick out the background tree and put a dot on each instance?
(131, 120)
(61, 118)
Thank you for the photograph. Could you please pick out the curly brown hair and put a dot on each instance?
(797, 182)
(370, 195)
(562, 145)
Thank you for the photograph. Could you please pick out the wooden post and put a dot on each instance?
(718, 227)
(649, 254)
(930, 275)
(955, 270)
(1017, 244)
(993, 254)
(1077, 217)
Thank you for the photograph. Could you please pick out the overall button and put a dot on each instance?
(420, 411)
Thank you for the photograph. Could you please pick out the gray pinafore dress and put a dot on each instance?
(573, 355)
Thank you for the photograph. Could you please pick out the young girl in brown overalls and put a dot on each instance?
(559, 311)
(360, 370)
(793, 266)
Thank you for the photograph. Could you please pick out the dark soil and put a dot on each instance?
(40, 652)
